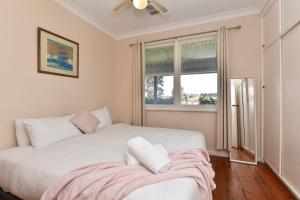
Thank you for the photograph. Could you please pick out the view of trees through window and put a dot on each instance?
(159, 89)
(195, 89)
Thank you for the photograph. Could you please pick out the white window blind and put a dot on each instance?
(199, 57)
(159, 61)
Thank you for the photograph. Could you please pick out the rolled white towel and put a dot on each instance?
(131, 160)
(148, 155)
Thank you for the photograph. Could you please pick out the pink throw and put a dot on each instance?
(113, 181)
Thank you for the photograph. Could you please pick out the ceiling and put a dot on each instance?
(131, 22)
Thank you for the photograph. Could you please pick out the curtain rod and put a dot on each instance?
(194, 34)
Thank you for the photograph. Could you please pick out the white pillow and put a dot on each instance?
(103, 116)
(21, 134)
(47, 131)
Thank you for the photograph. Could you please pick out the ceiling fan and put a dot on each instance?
(142, 4)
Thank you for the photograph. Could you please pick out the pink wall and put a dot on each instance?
(245, 60)
(105, 69)
(26, 93)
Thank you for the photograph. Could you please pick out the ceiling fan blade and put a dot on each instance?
(156, 4)
(121, 4)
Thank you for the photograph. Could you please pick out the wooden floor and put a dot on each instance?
(241, 154)
(240, 181)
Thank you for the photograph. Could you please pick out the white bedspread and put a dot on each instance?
(27, 173)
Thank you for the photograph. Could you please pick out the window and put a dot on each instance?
(199, 76)
(182, 74)
(159, 74)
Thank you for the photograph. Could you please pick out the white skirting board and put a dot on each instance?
(291, 188)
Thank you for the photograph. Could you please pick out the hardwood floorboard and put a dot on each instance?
(267, 176)
(235, 187)
(237, 181)
(220, 178)
(253, 187)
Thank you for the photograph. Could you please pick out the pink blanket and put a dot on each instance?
(113, 181)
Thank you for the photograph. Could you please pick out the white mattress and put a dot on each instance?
(27, 173)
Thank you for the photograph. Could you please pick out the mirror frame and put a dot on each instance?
(230, 120)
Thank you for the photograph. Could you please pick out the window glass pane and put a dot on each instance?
(159, 61)
(159, 74)
(199, 89)
(159, 90)
(199, 57)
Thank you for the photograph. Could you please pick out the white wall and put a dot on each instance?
(281, 36)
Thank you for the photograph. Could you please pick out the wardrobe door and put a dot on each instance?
(271, 24)
(290, 13)
(271, 118)
(291, 108)
(271, 81)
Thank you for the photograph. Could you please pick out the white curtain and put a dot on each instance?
(223, 107)
(138, 85)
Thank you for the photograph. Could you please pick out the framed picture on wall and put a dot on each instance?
(57, 55)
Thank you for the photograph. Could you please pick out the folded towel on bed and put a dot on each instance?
(114, 181)
(148, 155)
(131, 160)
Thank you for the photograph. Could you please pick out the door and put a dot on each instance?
(271, 105)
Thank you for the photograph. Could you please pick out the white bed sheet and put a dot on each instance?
(27, 173)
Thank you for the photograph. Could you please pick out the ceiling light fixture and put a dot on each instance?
(140, 4)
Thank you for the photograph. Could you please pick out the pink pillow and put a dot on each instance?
(85, 121)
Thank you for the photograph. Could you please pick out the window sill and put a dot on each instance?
(204, 108)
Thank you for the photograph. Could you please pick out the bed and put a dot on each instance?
(27, 173)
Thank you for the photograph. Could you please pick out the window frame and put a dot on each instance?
(177, 106)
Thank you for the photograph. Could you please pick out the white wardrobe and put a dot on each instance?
(281, 93)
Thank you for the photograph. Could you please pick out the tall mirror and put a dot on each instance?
(242, 125)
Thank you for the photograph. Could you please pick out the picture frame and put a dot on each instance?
(57, 55)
